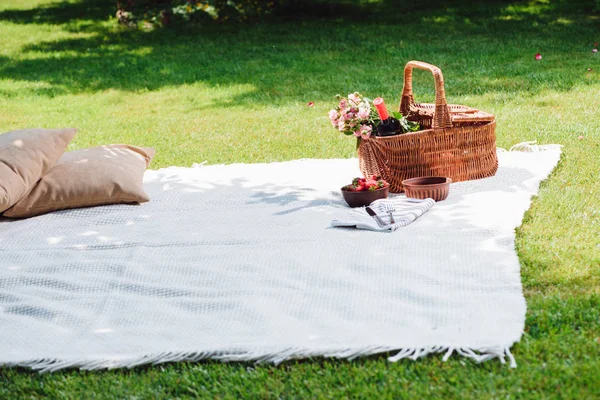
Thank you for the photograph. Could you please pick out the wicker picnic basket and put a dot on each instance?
(456, 141)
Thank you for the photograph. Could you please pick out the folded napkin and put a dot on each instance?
(404, 210)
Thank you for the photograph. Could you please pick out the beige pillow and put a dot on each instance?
(91, 177)
(25, 156)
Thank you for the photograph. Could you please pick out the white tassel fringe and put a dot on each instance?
(53, 365)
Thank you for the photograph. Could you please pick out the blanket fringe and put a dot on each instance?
(483, 355)
(530, 147)
(479, 355)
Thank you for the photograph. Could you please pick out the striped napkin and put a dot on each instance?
(404, 210)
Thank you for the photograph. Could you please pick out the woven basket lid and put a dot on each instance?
(458, 113)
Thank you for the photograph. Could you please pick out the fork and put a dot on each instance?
(389, 208)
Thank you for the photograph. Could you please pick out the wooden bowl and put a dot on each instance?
(429, 187)
(361, 199)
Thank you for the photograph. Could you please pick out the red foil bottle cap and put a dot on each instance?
(381, 109)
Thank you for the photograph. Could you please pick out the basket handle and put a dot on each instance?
(441, 117)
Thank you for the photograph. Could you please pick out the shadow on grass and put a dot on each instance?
(482, 49)
(388, 11)
(61, 12)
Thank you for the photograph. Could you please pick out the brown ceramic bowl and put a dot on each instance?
(434, 187)
(361, 199)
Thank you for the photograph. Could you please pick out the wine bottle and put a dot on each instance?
(389, 125)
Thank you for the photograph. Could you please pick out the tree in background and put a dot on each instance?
(166, 12)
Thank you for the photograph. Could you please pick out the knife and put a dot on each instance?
(375, 217)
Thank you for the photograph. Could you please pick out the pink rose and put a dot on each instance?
(350, 115)
(357, 133)
(365, 131)
(333, 117)
(341, 124)
(538, 56)
(363, 114)
(354, 97)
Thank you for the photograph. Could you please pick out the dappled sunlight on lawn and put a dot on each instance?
(270, 59)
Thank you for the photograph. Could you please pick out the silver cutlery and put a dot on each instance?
(389, 208)
(375, 217)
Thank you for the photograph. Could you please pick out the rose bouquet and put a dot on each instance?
(356, 115)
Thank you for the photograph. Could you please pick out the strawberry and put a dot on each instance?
(374, 182)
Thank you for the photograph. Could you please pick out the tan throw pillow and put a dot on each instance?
(25, 156)
(90, 177)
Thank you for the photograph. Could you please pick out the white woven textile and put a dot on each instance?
(239, 262)
(403, 210)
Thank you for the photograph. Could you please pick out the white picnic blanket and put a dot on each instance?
(239, 262)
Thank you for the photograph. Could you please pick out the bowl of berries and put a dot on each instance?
(363, 191)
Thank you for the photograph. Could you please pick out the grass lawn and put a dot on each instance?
(238, 93)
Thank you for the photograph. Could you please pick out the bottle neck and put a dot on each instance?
(381, 109)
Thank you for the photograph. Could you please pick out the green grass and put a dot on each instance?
(238, 93)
